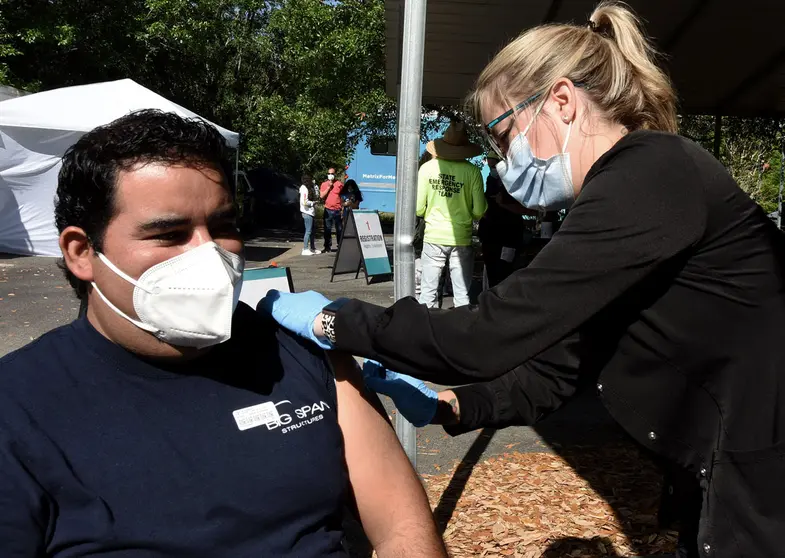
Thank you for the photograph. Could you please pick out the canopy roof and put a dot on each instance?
(724, 57)
(84, 107)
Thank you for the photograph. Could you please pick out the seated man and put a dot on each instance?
(172, 421)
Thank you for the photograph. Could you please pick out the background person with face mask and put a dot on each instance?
(172, 420)
(308, 211)
(330, 193)
(673, 279)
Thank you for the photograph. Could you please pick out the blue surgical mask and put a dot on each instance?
(537, 183)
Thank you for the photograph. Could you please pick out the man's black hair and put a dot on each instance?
(86, 184)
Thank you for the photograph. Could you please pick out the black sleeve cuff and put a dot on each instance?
(477, 406)
(355, 323)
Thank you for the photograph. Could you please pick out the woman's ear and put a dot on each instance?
(77, 253)
(564, 100)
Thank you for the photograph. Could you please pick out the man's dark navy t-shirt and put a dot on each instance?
(104, 454)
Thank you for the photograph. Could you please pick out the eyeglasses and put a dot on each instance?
(487, 129)
(519, 107)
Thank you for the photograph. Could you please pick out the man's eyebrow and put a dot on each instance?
(160, 223)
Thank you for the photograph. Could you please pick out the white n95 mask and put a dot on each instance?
(187, 300)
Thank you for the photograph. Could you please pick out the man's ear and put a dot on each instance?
(77, 253)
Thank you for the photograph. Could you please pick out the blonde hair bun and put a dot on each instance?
(611, 58)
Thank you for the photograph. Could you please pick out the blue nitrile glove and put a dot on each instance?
(296, 312)
(413, 399)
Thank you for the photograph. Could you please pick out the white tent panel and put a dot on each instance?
(28, 179)
(84, 107)
(35, 131)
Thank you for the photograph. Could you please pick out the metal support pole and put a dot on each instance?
(717, 135)
(782, 173)
(409, 109)
(236, 168)
(239, 197)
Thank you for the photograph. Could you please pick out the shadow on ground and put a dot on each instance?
(263, 253)
(291, 234)
(454, 491)
(599, 547)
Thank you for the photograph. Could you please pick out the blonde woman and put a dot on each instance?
(673, 279)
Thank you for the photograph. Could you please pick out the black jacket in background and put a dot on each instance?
(675, 280)
(500, 226)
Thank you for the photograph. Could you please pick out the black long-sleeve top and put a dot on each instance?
(675, 281)
(527, 394)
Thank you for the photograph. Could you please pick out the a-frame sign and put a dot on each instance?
(362, 246)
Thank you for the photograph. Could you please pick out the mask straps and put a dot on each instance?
(137, 323)
(536, 112)
(531, 122)
(134, 282)
(120, 273)
(567, 138)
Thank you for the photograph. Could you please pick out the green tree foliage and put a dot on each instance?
(301, 80)
(6, 48)
(328, 90)
(750, 149)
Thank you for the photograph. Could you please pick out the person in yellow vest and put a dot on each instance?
(450, 197)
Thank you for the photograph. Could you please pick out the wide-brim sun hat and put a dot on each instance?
(454, 144)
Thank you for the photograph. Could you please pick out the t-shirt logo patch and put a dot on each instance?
(269, 415)
(256, 415)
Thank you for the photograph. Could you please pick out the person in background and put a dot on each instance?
(450, 198)
(351, 196)
(501, 228)
(549, 224)
(308, 211)
(173, 420)
(330, 193)
(419, 235)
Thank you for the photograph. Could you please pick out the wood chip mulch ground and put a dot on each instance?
(590, 502)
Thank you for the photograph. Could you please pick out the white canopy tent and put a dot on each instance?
(35, 131)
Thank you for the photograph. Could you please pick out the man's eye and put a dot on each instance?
(171, 236)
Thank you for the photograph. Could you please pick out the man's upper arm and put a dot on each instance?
(393, 507)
